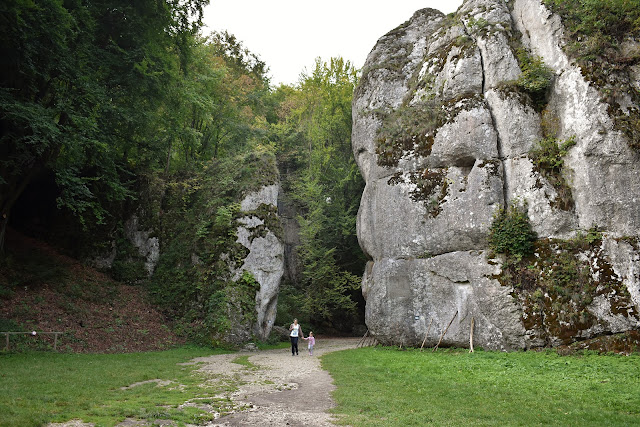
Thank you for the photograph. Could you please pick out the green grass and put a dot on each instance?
(387, 387)
(244, 361)
(38, 388)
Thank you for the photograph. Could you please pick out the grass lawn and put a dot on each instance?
(38, 388)
(386, 387)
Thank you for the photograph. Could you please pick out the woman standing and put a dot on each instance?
(295, 331)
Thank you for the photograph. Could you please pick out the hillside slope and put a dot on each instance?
(43, 290)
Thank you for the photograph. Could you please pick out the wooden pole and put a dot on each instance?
(427, 334)
(473, 321)
(362, 339)
(55, 334)
(445, 331)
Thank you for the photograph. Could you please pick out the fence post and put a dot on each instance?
(55, 337)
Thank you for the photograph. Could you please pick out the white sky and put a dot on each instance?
(289, 34)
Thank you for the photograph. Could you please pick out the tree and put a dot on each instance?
(315, 136)
(219, 106)
(80, 90)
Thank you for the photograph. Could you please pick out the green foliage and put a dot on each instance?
(536, 77)
(511, 233)
(596, 33)
(219, 108)
(478, 26)
(81, 92)
(548, 157)
(549, 154)
(290, 301)
(245, 290)
(128, 265)
(604, 24)
(390, 388)
(314, 145)
(49, 387)
(193, 280)
(591, 237)
(104, 93)
(134, 111)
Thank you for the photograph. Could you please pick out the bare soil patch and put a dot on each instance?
(45, 290)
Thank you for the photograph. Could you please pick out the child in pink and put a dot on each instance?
(312, 342)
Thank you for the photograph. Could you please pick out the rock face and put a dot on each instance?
(265, 260)
(148, 247)
(444, 140)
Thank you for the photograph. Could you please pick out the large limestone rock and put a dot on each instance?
(265, 260)
(430, 199)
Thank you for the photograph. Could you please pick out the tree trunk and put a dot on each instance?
(166, 168)
(4, 220)
(10, 198)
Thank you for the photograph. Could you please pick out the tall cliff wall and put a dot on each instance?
(444, 137)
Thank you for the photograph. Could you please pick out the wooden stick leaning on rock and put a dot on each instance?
(445, 331)
(427, 334)
(362, 339)
(473, 322)
(367, 341)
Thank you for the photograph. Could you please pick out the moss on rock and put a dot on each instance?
(558, 284)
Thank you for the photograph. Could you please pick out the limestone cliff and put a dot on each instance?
(444, 136)
(265, 259)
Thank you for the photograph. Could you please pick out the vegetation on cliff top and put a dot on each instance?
(602, 37)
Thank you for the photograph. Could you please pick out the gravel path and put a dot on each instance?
(284, 389)
(279, 390)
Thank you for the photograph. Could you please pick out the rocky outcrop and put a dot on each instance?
(265, 260)
(443, 136)
(146, 249)
(148, 246)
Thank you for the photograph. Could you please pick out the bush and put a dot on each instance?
(536, 77)
(549, 154)
(596, 32)
(511, 232)
(548, 157)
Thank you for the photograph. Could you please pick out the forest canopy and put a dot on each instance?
(107, 96)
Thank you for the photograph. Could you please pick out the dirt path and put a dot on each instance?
(284, 389)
